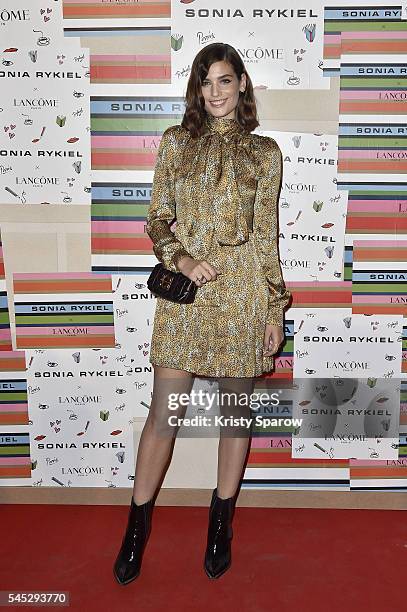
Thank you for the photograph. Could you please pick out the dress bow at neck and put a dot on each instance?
(222, 149)
(223, 126)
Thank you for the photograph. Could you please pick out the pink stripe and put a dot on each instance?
(324, 284)
(368, 95)
(368, 35)
(49, 331)
(16, 460)
(375, 299)
(364, 463)
(332, 38)
(118, 227)
(380, 243)
(125, 142)
(139, 57)
(5, 333)
(364, 154)
(13, 407)
(58, 275)
(263, 442)
(97, 2)
(373, 205)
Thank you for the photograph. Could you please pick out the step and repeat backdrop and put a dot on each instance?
(88, 87)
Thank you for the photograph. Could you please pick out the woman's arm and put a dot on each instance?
(167, 248)
(265, 225)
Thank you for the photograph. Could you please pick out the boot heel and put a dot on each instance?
(218, 549)
(128, 562)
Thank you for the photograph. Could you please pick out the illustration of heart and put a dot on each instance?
(49, 10)
(11, 134)
(299, 59)
(6, 128)
(12, 127)
(57, 429)
(46, 18)
(42, 11)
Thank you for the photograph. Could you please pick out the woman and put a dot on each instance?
(221, 183)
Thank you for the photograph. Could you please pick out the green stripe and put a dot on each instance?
(4, 318)
(371, 141)
(377, 288)
(364, 82)
(13, 396)
(369, 193)
(16, 450)
(127, 124)
(44, 320)
(119, 210)
(343, 25)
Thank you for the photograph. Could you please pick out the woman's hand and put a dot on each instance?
(196, 269)
(273, 337)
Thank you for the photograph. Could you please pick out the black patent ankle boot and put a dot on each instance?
(220, 533)
(128, 563)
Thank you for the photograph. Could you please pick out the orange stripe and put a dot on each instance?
(14, 418)
(12, 363)
(372, 166)
(8, 471)
(374, 46)
(50, 341)
(117, 10)
(372, 106)
(62, 286)
(390, 472)
(377, 254)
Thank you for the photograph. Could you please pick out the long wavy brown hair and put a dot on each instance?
(195, 113)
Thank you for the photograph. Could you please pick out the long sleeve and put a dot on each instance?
(265, 225)
(166, 247)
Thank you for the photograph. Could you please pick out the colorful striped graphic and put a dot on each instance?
(284, 358)
(375, 148)
(127, 55)
(270, 464)
(99, 9)
(15, 459)
(118, 218)
(376, 475)
(403, 395)
(379, 278)
(382, 23)
(382, 209)
(321, 294)
(126, 132)
(373, 89)
(13, 388)
(118, 224)
(5, 332)
(385, 42)
(64, 310)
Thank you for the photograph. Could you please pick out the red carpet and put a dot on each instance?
(282, 559)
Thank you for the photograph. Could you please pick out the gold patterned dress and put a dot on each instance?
(222, 190)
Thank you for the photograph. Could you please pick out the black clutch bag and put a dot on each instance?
(173, 286)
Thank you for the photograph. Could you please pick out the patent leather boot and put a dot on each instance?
(128, 562)
(220, 533)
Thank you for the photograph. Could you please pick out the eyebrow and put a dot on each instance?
(219, 77)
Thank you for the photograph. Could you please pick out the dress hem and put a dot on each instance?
(165, 364)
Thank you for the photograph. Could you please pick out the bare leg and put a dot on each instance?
(158, 437)
(234, 440)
